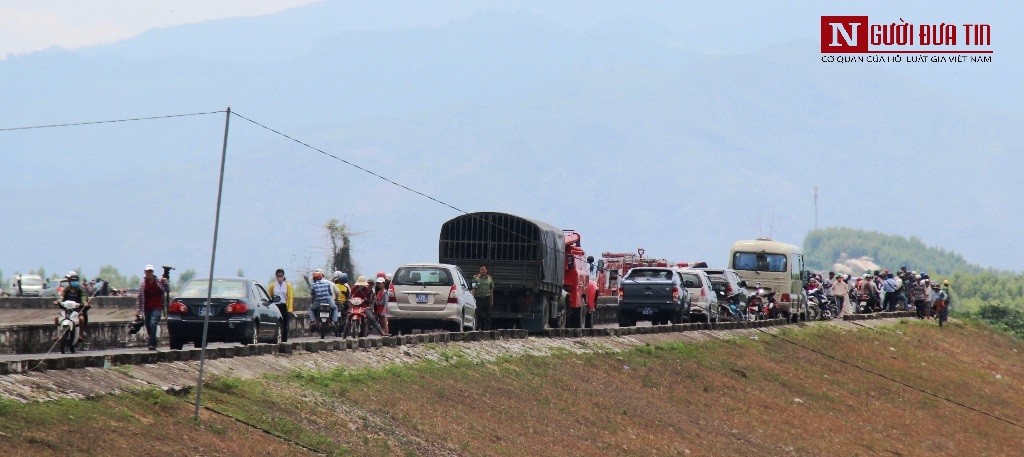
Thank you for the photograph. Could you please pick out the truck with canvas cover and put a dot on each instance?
(525, 257)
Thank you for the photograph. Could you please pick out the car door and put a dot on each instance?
(262, 301)
(466, 299)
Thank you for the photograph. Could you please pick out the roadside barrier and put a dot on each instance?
(86, 360)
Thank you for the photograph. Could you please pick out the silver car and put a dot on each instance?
(703, 300)
(428, 296)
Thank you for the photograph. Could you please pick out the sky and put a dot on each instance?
(33, 25)
(730, 27)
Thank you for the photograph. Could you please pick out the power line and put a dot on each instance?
(110, 121)
(393, 182)
(880, 375)
(346, 162)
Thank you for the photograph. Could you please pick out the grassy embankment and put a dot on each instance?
(738, 397)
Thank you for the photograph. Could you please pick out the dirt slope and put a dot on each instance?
(738, 396)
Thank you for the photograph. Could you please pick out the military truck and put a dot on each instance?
(525, 257)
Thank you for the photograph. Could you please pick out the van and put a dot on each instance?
(773, 264)
(31, 286)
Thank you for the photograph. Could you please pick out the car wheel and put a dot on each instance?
(177, 343)
(255, 338)
(574, 318)
(277, 333)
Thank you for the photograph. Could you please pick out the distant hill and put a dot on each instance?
(824, 248)
(619, 132)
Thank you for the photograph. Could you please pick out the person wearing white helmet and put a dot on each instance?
(341, 298)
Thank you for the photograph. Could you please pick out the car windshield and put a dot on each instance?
(31, 282)
(694, 279)
(423, 276)
(759, 261)
(649, 274)
(222, 288)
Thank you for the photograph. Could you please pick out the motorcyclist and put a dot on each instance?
(76, 293)
(341, 297)
(321, 292)
(362, 291)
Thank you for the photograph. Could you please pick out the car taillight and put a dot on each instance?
(452, 298)
(675, 293)
(728, 289)
(622, 291)
(785, 297)
(703, 293)
(391, 294)
(237, 307)
(177, 307)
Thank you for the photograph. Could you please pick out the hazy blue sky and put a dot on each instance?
(425, 91)
(33, 25)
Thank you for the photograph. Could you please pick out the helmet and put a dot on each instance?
(867, 275)
(945, 283)
(381, 274)
(344, 277)
(336, 276)
(71, 273)
(379, 280)
(935, 285)
(318, 272)
(389, 276)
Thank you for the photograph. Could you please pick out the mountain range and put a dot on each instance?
(617, 130)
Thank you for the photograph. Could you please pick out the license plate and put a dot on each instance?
(201, 311)
(324, 314)
(421, 298)
(647, 311)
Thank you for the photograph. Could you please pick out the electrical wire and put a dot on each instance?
(110, 121)
(880, 375)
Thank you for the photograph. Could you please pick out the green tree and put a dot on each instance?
(340, 237)
(186, 276)
(110, 274)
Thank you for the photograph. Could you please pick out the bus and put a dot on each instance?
(779, 266)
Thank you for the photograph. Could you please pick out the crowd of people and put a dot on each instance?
(883, 290)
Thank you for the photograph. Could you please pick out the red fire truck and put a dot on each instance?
(580, 290)
(614, 265)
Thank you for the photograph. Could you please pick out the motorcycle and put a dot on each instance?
(826, 307)
(356, 322)
(67, 325)
(323, 323)
(731, 309)
(758, 304)
(771, 306)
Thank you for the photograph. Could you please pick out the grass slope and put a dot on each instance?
(733, 397)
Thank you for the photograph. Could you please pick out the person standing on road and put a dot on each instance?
(920, 293)
(285, 304)
(840, 289)
(890, 286)
(939, 303)
(341, 297)
(483, 291)
(381, 296)
(150, 301)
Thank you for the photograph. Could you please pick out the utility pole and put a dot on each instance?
(815, 207)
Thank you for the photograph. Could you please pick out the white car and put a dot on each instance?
(702, 296)
(428, 296)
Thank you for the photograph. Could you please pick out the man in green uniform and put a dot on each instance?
(483, 291)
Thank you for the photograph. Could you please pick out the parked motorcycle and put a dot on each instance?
(821, 306)
(731, 309)
(758, 304)
(357, 324)
(67, 325)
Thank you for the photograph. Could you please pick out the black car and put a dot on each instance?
(240, 310)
